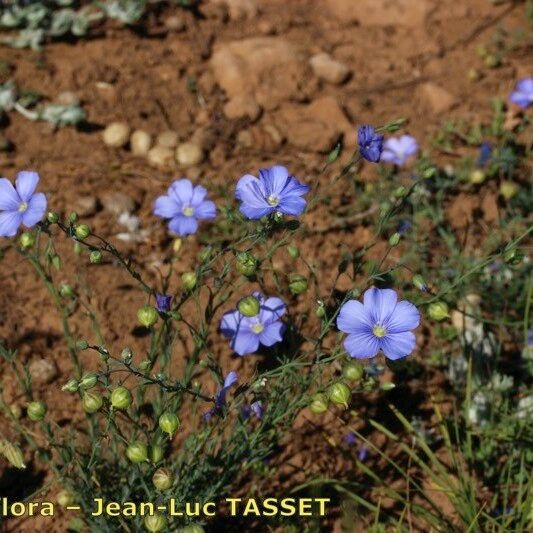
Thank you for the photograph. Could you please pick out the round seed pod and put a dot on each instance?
(121, 398)
(162, 479)
(137, 452)
(36, 411)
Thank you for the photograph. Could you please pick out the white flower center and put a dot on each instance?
(23, 206)
(188, 211)
(258, 328)
(379, 331)
(273, 200)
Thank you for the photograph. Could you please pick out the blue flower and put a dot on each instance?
(163, 302)
(184, 205)
(485, 153)
(404, 226)
(380, 323)
(20, 204)
(220, 396)
(255, 408)
(370, 143)
(246, 333)
(398, 150)
(522, 95)
(274, 191)
(350, 438)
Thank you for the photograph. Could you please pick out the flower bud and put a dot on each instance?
(96, 257)
(147, 316)
(438, 310)
(394, 239)
(70, 386)
(77, 248)
(82, 344)
(155, 522)
(340, 394)
(387, 385)
(121, 398)
(353, 371)
(189, 280)
(15, 410)
(319, 404)
(73, 217)
(92, 402)
(162, 479)
(65, 498)
(193, 528)
(400, 192)
(137, 452)
(169, 422)
(513, 256)
(88, 380)
(126, 355)
(476, 176)
(277, 216)
(12, 453)
(145, 365)
(82, 231)
(508, 189)
(56, 262)
(320, 310)
(155, 453)
(176, 245)
(249, 306)
(52, 217)
(66, 291)
(297, 284)
(293, 251)
(246, 264)
(27, 240)
(420, 283)
(36, 411)
(205, 254)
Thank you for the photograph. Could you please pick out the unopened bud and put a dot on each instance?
(66, 291)
(297, 284)
(82, 344)
(65, 498)
(70, 386)
(88, 380)
(12, 453)
(189, 280)
(27, 240)
(246, 263)
(293, 251)
(420, 283)
(438, 310)
(155, 453)
(514, 256)
(96, 257)
(394, 239)
(52, 217)
(36, 411)
(508, 189)
(477, 176)
(145, 365)
(126, 355)
(82, 231)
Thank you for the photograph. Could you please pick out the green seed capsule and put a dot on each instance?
(169, 422)
(70, 386)
(438, 310)
(147, 316)
(27, 240)
(508, 189)
(96, 257)
(92, 402)
(155, 522)
(320, 310)
(297, 284)
(126, 355)
(249, 306)
(121, 398)
(73, 217)
(145, 365)
(189, 280)
(353, 371)
(82, 344)
(319, 404)
(65, 498)
(293, 251)
(193, 528)
(137, 452)
(340, 394)
(36, 411)
(13, 454)
(162, 479)
(88, 380)
(246, 264)
(155, 453)
(82, 231)
(420, 283)
(66, 291)
(394, 239)
(52, 217)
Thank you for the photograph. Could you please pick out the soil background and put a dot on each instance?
(234, 77)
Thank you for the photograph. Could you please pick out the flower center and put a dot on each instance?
(188, 211)
(258, 328)
(273, 200)
(23, 206)
(379, 330)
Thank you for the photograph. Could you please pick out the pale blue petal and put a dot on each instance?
(354, 318)
(405, 317)
(398, 345)
(183, 225)
(245, 342)
(362, 345)
(9, 223)
(272, 333)
(274, 179)
(9, 198)
(380, 303)
(231, 379)
(292, 205)
(274, 305)
(26, 183)
(166, 207)
(35, 211)
(181, 190)
(198, 195)
(205, 210)
(255, 213)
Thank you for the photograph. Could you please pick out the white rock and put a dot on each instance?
(140, 142)
(168, 139)
(42, 370)
(116, 135)
(329, 69)
(189, 154)
(161, 157)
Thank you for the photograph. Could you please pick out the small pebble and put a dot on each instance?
(116, 135)
(168, 139)
(161, 157)
(42, 371)
(118, 203)
(140, 142)
(86, 206)
(189, 154)
(175, 24)
(67, 98)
